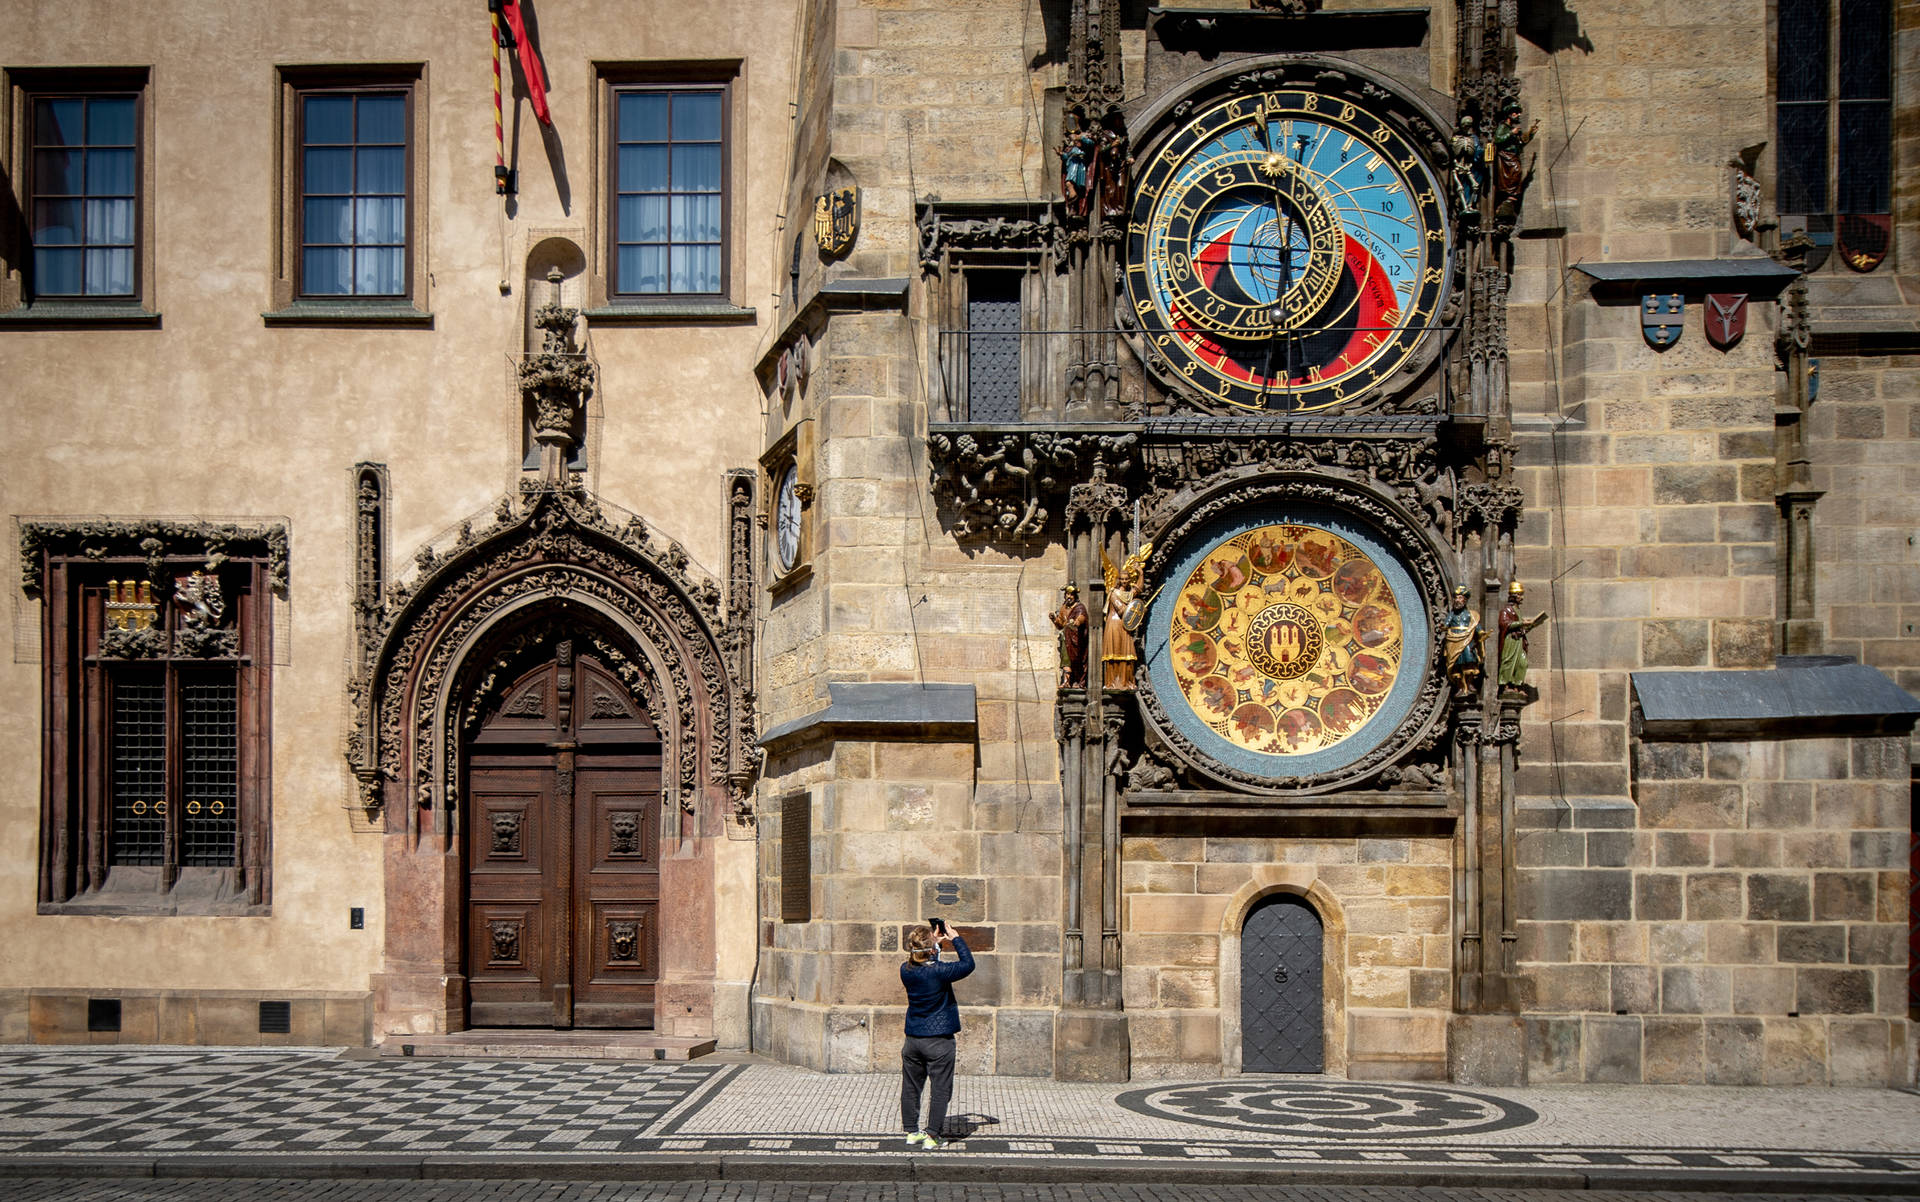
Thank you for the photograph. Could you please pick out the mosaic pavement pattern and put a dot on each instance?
(224, 1103)
(236, 1102)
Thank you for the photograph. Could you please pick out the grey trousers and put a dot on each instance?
(921, 1057)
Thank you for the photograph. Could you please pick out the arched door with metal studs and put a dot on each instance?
(1281, 949)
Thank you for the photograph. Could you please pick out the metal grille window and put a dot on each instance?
(209, 771)
(138, 745)
(993, 347)
(669, 194)
(1834, 107)
(84, 181)
(353, 193)
(156, 774)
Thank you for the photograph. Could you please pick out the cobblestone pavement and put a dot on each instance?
(309, 1112)
(201, 1190)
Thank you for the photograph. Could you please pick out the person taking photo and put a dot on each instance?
(933, 1019)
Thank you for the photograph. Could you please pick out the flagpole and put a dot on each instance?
(501, 180)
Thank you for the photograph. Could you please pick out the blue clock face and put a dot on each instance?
(1287, 251)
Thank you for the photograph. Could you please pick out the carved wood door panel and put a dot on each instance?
(563, 853)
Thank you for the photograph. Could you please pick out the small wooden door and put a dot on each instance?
(563, 882)
(1281, 949)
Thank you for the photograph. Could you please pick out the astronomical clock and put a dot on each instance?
(1289, 264)
(1287, 251)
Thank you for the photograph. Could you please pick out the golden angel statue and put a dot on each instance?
(1126, 614)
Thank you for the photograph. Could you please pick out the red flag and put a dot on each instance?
(529, 61)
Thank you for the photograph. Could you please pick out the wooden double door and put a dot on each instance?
(563, 867)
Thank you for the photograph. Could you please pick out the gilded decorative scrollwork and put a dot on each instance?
(1286, 639)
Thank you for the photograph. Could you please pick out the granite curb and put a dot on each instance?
(950, 1167)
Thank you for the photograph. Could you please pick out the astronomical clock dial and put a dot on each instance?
(786, 519)
(1287, 644)
(1286, 251)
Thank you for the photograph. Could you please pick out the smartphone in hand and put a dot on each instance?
(939, 925)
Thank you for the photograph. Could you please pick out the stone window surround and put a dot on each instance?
(60, 561)
(18, 309)
(286, 306)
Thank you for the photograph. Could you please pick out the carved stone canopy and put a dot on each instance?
(556, 551)
(156, 540)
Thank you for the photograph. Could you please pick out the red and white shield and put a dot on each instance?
(1726, 318)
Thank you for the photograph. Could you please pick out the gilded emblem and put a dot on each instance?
(1285, 639)
(836, 219)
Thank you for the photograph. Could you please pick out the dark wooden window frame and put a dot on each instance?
(298, 193)
(612, 80)
(26, 86)
(290, 303)
(76, 872)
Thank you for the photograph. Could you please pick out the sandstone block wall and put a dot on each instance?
(1740, 920)
(1386, 909)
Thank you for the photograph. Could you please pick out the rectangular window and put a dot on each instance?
(83, 186)
(668, 194)
(993, 346)
(354, 172)
(1833, 107)
(158, 673)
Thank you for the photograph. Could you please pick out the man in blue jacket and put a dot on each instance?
(933, 1018)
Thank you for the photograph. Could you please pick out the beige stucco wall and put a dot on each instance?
(217, 414)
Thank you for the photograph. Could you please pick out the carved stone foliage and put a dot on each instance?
(156, 541)
(1005, 484)
(981, 230)
(1406, 462)
(1375, 504)
(557, 380)
(369, 559)
(558, 548)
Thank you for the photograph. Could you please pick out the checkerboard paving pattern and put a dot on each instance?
(211, 1102)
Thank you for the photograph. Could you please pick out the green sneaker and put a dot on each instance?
(932, 1142)
(917, 1139)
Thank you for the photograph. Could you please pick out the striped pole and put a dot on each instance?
(499, 128)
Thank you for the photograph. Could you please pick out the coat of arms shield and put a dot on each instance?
(1726, 318)
(1864, 239)
(836, 219)
(1662, 318)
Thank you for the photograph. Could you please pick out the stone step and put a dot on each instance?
(550, 1045)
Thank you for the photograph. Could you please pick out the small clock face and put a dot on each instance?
(1286, 251)
(786, 519)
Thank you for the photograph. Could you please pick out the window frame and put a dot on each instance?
(19, 297)
(77, 860)
(1823, 221)
(669, 87)
(289, 304)
(297, 192)
(606, 306)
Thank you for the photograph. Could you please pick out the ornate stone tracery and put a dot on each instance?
(558, 550)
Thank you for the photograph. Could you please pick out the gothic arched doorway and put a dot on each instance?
(1282, 950)
(563, 786)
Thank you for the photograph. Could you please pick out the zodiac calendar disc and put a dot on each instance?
(1285, 641)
